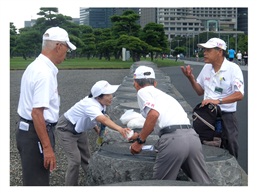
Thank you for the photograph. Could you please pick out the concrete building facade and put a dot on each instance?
(181, 21)
(100, 17)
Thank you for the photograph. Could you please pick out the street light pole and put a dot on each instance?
(228, 42)
(193, 45)
(178, 42)
(189, 45)
(219, 28)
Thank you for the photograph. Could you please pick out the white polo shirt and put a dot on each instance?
(170, 111)
(223, 83)
(84, 113)
(39, 89)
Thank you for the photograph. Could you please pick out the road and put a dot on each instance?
(184, 87)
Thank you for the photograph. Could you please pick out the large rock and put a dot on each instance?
(114, 163)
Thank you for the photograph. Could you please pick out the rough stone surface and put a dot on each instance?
(155, 183)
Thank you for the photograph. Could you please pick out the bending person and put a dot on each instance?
(81, 117)
(178, 146)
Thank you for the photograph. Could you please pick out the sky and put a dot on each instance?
(27, 16)
(18, 11)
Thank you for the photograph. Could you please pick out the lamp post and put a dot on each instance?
(219, 28)
(178, 42)
(228, 42)
(189, 35)
(224, 21)
(193, 44)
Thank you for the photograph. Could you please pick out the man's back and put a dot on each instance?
(231, 53)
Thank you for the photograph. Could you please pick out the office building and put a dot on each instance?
(100, 17)
(242, 20)
(181, 21)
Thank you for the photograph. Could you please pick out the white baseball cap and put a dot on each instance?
(103, 87)
(213, 43)
(144, 72)
(58, 34)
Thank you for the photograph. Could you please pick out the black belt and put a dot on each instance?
(224, 112)
(172, 128)
(25, 120)
(30, 121)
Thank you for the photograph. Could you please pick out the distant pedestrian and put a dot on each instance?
(197, 57)
(231, 54)
(239, 57)
(177, 57)
(245, 57)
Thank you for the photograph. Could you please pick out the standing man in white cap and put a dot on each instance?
(38, 109)
(221, 83)
(179, 146)
(73, 124)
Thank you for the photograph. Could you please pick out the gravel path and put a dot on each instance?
(73, 86)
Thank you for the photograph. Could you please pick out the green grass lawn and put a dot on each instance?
(18, 63)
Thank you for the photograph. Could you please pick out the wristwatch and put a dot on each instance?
(220, 101)
(140, 141)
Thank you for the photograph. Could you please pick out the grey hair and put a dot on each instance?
(144, 82)
(50, 44)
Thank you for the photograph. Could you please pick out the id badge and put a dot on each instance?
(23, 126)
(218, 90)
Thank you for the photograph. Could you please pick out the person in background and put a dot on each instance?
(231, 54)
(177, 57)
(179, 145)
(239, 58)
(245, 56)
(197, 57)
(221, 83)
(73, 124)
(38, 109)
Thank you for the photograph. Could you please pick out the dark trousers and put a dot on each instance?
(231, 133)
(28, 144)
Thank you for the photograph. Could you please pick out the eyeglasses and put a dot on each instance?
(69, 50)
(209, 49)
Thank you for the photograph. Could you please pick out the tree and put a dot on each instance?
(51, 18)
(49, 13)
(126, 24)
(107, 48)
(13, 37)
(29, 43)
(136, 46)
(153, 34)
(242, 43)
(21, 43)
(101, 37)
(88, 38)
